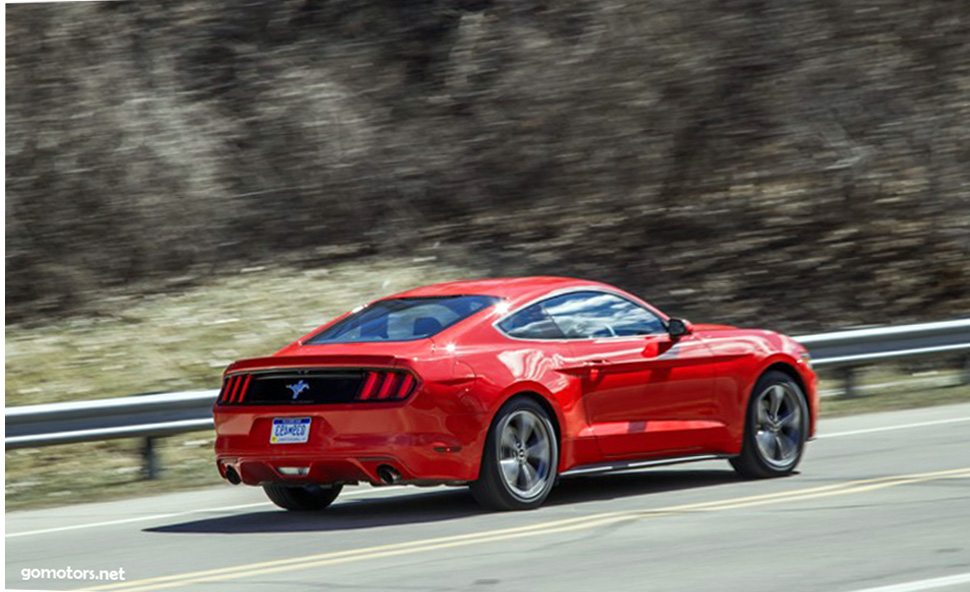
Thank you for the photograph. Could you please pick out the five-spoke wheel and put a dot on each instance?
(776, 428)
(526, 453)
(520, 458)
(779, 430)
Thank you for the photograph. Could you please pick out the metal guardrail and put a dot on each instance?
(105, 419)
(860, 347)
(847, 351)
(142, 416)
(159, 415)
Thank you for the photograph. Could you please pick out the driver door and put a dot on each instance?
(644, 392)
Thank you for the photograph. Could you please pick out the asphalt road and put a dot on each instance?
(881, 502)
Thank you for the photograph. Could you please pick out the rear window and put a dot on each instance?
(402, 319)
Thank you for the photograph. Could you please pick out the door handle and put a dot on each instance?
(587, 367)
(596, 368)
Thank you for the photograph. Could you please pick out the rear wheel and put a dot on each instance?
(302, 498)
(520, 458)
(775, 429)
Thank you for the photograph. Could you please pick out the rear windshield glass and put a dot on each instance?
(402, 319)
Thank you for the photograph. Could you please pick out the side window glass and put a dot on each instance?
(531, 323)
(584, 315)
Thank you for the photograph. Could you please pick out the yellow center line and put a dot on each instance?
(540, 529)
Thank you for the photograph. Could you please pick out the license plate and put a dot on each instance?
(290, 430)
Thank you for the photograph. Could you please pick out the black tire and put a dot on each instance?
(306, 498)
(774, 434)
(533, 462)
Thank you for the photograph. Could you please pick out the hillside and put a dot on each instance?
(800, 165)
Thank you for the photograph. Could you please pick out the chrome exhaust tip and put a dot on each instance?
(388, 475)
(232, 476)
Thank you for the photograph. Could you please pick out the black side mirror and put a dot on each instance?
(677, 328)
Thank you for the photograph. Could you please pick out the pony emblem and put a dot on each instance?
(298, 388)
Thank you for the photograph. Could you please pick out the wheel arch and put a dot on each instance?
(546, 402)
(785, 367)
(547, 406)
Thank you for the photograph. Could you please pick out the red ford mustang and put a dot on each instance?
(504, 385)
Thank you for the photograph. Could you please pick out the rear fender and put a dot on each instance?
(552, 403)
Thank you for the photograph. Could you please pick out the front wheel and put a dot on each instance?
(775, 429)
(303, 498)
(520, 458)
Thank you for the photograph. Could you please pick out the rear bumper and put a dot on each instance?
(348, 443)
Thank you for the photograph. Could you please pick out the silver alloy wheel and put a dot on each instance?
(525, 453)
(779, 429)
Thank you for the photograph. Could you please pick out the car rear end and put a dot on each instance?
(344, 419)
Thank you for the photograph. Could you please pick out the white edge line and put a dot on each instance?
(922, 584)
(170, 515)
(823, 436)
(127, 520)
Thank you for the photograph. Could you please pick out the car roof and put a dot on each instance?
(515, 289)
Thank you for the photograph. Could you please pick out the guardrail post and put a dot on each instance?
(965, 375)
(150, 467)
(849, 375)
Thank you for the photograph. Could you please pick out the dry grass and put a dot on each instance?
(895, 389)
(98, 471)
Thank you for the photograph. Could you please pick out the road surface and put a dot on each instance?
(881, 503)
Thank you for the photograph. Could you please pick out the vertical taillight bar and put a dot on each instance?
(227, 392)
(389, 379)
(404, 387)
(235, 388)
(242, 391)
(222, 393)
(370, 385)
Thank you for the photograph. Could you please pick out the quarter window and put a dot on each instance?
(531, 323)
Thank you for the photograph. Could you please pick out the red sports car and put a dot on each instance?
(504, 385)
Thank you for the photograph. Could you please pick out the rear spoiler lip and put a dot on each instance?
(315, 361)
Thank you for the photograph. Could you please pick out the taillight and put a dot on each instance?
(386, 386)
(234, 389)
(319, 388)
